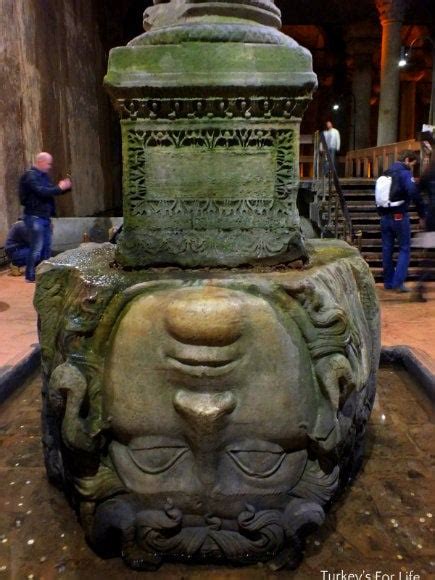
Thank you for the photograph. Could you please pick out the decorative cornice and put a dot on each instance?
(220, 108)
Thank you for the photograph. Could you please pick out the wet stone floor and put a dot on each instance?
(381, 528)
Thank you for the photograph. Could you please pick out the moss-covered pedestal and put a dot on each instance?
(211, 105)
(205, 393)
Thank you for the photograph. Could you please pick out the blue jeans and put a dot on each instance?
(18, 256)
(40, 243)
(333, 153)
(393, 230)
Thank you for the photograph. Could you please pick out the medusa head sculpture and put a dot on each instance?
(211, 420)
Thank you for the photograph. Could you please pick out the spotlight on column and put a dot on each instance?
(335, 107)
(403, 58)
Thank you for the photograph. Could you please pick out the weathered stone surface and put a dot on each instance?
(205, 414)
(186, 11)
(210, 105)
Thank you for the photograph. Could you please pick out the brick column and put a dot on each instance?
(391, 14)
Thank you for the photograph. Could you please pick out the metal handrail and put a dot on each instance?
(333, 177)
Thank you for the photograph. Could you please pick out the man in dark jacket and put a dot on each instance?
(395, 224)
(37, 193)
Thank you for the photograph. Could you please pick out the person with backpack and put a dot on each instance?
(395, 191)
(37, 193)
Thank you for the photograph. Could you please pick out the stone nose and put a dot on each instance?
(204, 411)
(205, 317)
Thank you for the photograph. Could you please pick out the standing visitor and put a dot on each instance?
(37, 193)
(332, 138)
(395, 223)
(427, 239)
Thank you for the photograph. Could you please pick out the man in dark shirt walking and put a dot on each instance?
(37, 193)
(395, 224)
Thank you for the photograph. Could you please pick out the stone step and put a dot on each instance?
(369, 218)
(359, 192)
(374, 258)
(370, 230)
(359, 205)
(413, 273)
(360, 199)
(375, 242)
(370, 207)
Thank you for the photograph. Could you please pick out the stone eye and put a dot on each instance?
(156, 460)
(256, 461)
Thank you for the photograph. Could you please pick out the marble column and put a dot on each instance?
(391, 16)
(362, 42)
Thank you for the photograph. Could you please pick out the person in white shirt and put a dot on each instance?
(332, 138)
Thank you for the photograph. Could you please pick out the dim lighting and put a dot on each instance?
(406, 57)
(403, 57)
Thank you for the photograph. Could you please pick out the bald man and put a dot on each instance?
(37, 193)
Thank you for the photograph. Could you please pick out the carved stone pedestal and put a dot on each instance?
(211, 101)
(205, 416)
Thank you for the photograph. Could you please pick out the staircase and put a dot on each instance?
(359, 195)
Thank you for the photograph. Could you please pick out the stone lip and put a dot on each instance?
(216, 68)
(18, 369)
(95, 262)
(205, 32)
(416, 363)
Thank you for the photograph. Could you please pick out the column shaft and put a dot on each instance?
(361, 88)
(390, 83)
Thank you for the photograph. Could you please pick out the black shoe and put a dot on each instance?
(417, 297)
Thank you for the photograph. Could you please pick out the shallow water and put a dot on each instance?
(383, 523)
